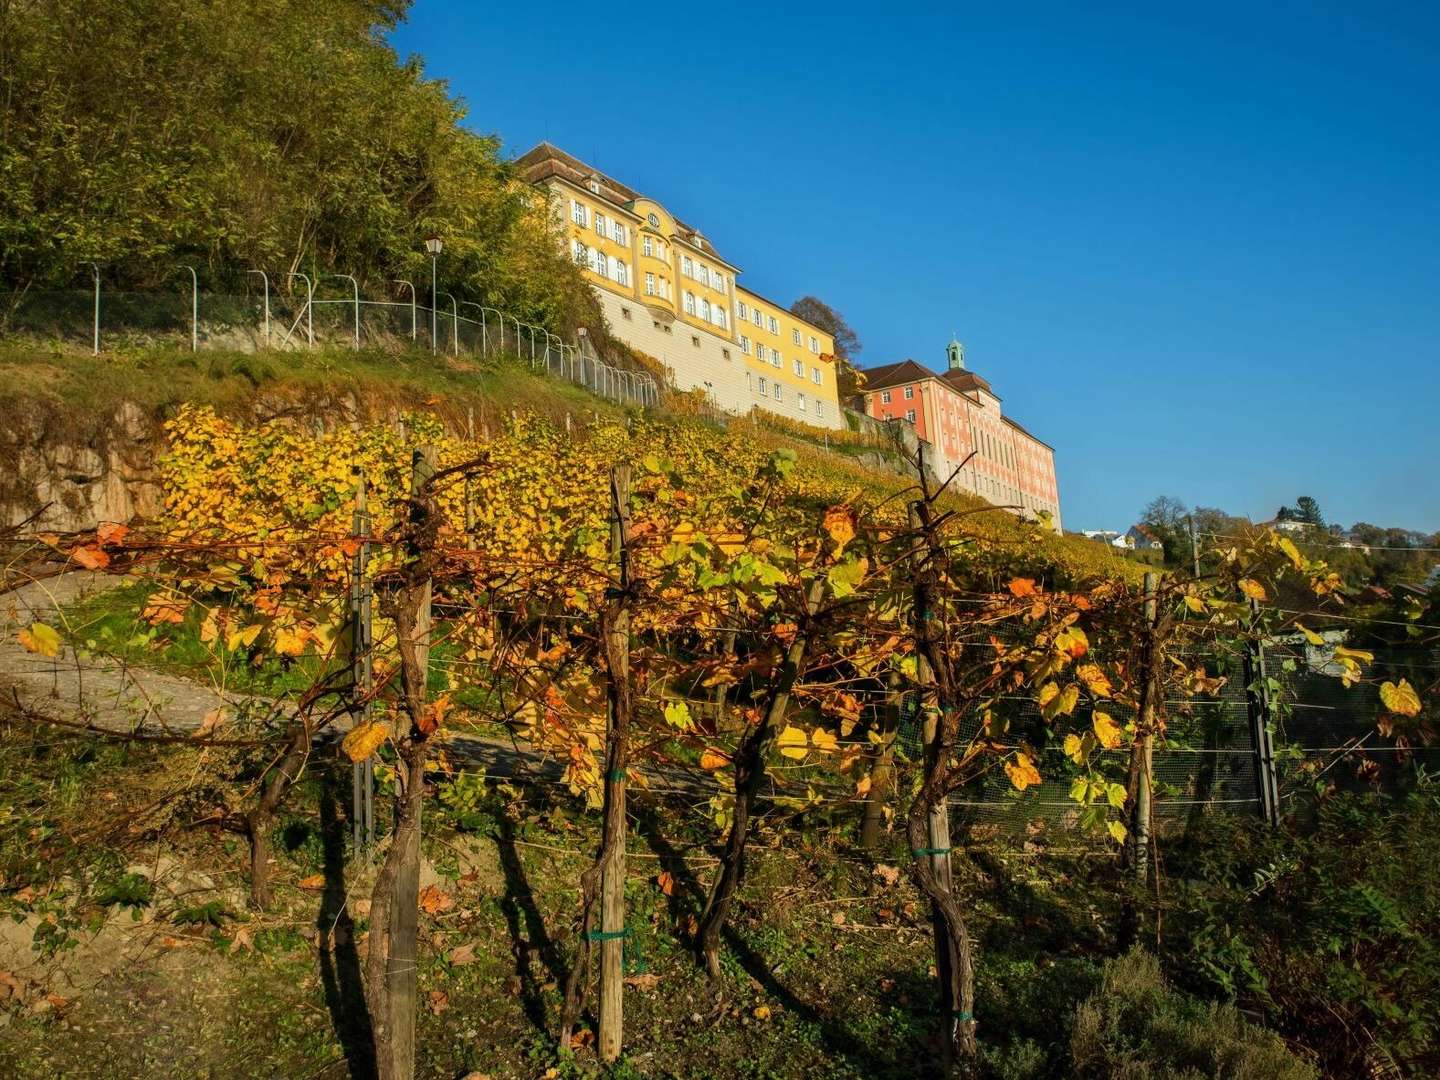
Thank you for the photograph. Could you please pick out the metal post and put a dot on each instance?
(194, 306)
(356, 286)
(362, 665)
(96, 270)
(1258, 705)
(265, 278)
(1194, 544)
(434, 304)
(413, 327)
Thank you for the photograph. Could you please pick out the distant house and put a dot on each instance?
(1107, 536)
(1287, 525)
(1143, 538)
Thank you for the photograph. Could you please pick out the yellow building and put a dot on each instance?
(667, 292)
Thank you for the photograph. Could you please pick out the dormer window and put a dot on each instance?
(654, 219)
(593, 185)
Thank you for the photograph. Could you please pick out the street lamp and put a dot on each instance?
(433, 246)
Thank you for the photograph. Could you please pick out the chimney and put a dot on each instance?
(955, 355)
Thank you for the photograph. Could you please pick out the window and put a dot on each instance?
(705, 310)
(579, 251)
(775, 390)
(800, 402)
(687, 266)
(600, 223)
(577, 213)
(653, 219)
(722, 317)
(665, 288)
(799, 366)
(819, 408)
(594, 261)
(814, 344)
(689, 302)
(649, 283)
(745, 344)
(646, 246)
(744, 310)
(910, 415)
(774, 325)
(719, 281)
(885, 396)
(759, 319)
(694, 341)
(625, 313)
(622, 273)
(617, 231)
(776, 358)
(660, 249)
(725, 353)
(704, 275)
(816, 377)
(759, 351)
(909, 392)
(794, 336)
(764, 385)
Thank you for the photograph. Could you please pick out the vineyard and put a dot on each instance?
(772, 668)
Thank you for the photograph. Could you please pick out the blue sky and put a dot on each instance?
(1197, 251)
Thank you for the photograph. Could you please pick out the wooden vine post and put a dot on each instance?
(390, 963)
(1142, 751)
(607, 875)
(362, 815)
(612, 873)
(882, 772)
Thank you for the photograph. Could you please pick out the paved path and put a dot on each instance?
(96, 690)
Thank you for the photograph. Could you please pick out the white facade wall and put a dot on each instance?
(705, 365)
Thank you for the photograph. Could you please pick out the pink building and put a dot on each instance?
(959, 415)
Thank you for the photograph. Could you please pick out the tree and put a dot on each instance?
(1308, 511)
(847, 342)
(1165, 516)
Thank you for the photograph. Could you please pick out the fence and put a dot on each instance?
(1213, 756)
(307, 314)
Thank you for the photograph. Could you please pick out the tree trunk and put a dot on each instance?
(882, 773)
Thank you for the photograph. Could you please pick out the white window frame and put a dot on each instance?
(776, 392)
(800, 402)
(744, 310)
(814, 344)
(817, 378)
(649, 283)
(600, 223)
(774, 325)
(909, 393)
(745, 344)
(689, 302)
(776, 360)
(910, 415)
(764, 386)
(885, 397)
(759, 319)
(705, 309)
(647, 246)
(798, 366)
(794, 336)
(759, 351)
(687, 266)
(579, 214)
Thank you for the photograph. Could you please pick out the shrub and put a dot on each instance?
(1136, 1026)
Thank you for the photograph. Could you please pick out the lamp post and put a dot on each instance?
(433, 246)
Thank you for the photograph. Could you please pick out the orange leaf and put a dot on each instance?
(91, 558)
(1022, 586)
(710, 760)
(435, 901)
(112, 534)
(433, 715)
(666, 882)
(314, 881)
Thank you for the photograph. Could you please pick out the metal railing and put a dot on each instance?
(325, 310)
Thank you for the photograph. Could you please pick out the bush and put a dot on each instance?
(1136, 1026)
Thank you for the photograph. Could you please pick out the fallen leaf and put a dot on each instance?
(211, 720)
(888, 875)
(435, 901)
(42, 639)
(462, 954)
(437, 1001)
(241, 939)
(647, 981)
(112, 533)
(313, 882)
(1022, 586)
(91, 558)
(762, 1012)
(666, 881)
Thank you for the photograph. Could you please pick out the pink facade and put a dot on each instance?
(960, 417)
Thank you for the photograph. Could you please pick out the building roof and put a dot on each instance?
(906, 371)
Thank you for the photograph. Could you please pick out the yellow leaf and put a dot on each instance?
(290, 640)
(1310, 635)
(1117, 830)
(245, 636)
(1062, 703)
(677, 715)
(862, 786)
(1292, 553)
(1095, 679)
(1253, 589)
(1075, 748)
(1400, 698)
(792, 742)
(762, 1012)
(363, 741)
(42, 639)
(823, 740)
(1072, 642)
(1358, 655)
(1195, 604)
(1022, 772)
(1106, 730)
